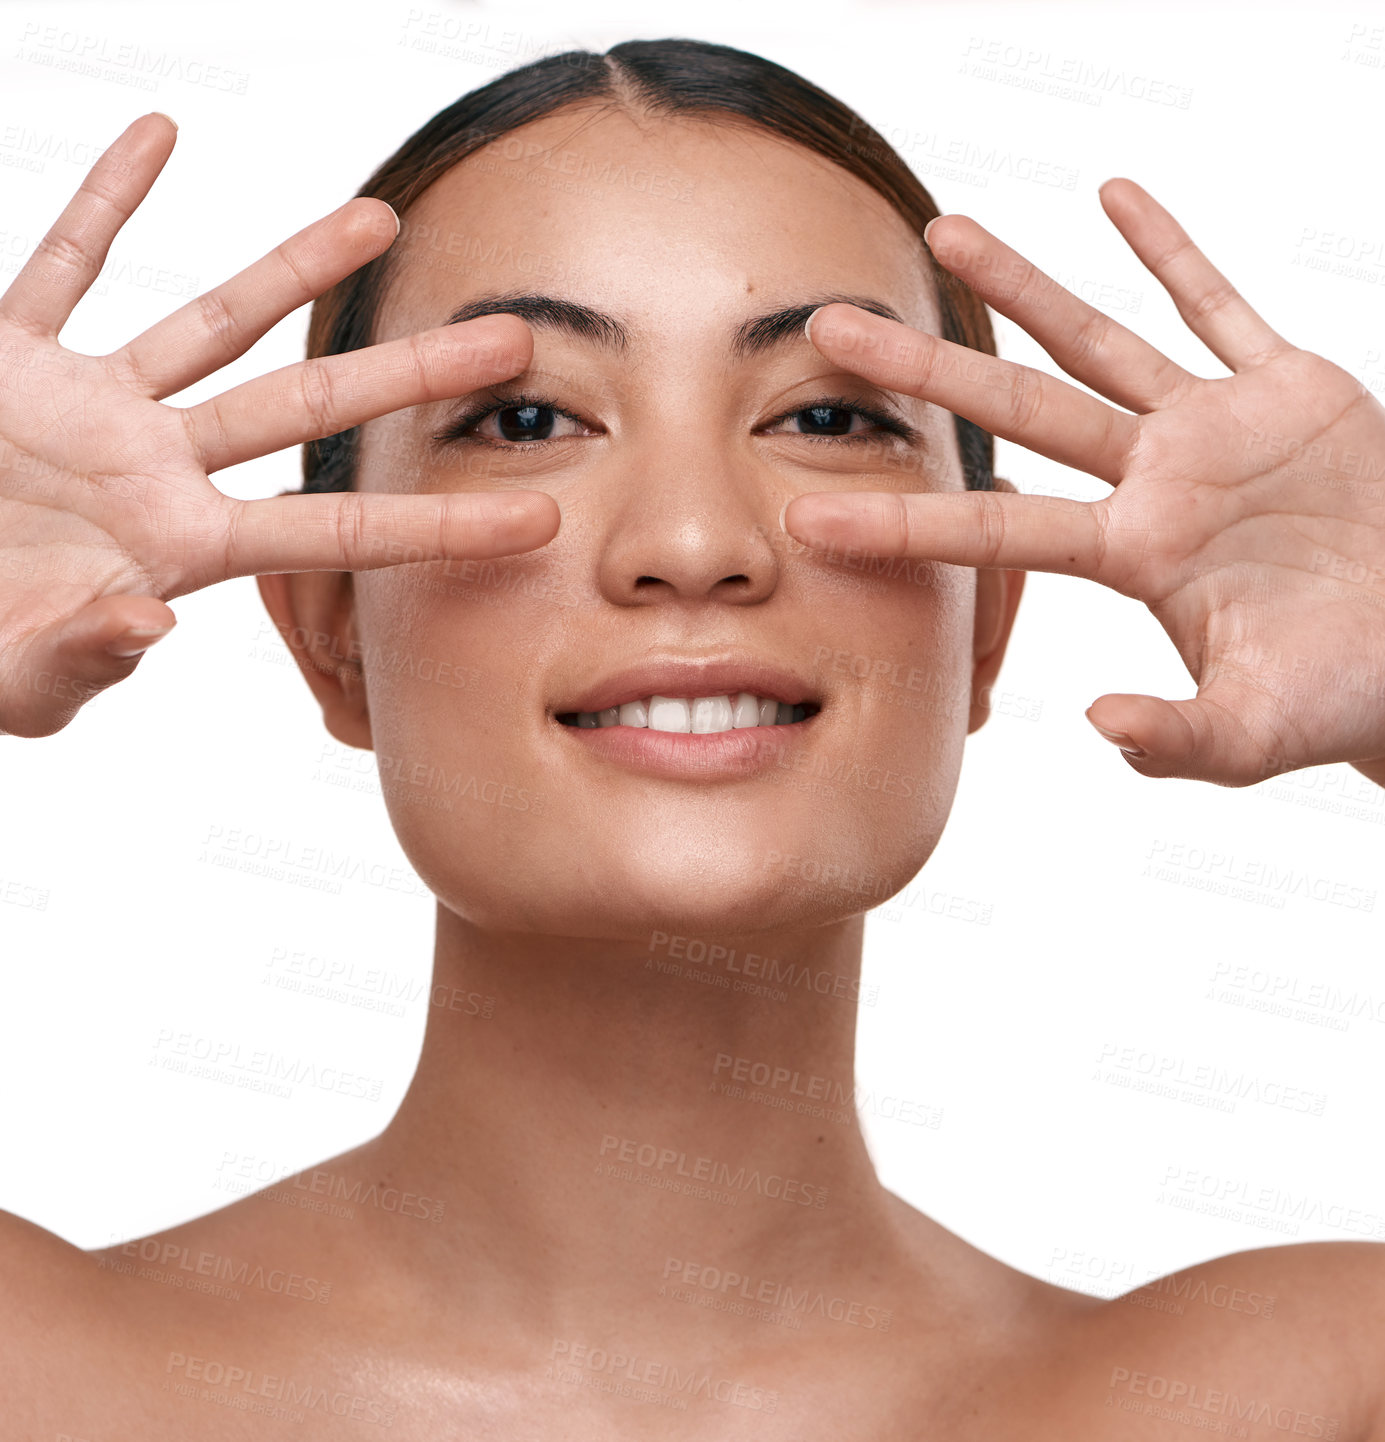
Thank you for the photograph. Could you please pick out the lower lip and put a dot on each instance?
(685, 756)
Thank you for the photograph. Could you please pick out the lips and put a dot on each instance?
(684, 678)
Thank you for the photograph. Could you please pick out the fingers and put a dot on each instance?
(363, 531)
(972, 528)
(1038, 411)
(1225, 735)
(66, 261)
(1212, 308)
(209, 332)
(49, 677)
(316, 398)
(1090, 346)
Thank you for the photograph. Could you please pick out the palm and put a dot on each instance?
(1235, 506)
(101, 493)
(106, 506)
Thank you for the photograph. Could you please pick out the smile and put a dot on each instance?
(695, 715)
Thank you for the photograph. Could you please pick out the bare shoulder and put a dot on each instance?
(1278, 1339)
(135, 1332)
(41, 1274)
(53, 1315)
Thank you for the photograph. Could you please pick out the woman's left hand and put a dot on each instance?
(1247, 512)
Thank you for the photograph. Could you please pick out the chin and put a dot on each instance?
(605, 881)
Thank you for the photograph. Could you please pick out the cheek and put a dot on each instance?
(445, 694)
(909, 625)
(438, 642)
(911, 658)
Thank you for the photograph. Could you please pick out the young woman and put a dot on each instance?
(645, 308)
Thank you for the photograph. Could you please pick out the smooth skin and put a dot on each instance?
(465, 1313)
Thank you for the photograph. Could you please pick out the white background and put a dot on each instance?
(1032, 1031)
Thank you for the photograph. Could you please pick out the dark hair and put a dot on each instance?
(683, 77)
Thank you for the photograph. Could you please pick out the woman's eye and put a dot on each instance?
(525, 423)
(836, 419)
(826, 420)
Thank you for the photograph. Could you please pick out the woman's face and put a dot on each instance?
(671, 441)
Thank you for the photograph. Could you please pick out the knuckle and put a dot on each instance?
(317, 396)
(287, 255)
(1091, 336)
(992, 529)
(1211, 301)
(1026, 396)
(216, 317)
(350, 527)
(62, 250)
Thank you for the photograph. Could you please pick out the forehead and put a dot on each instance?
(669, 222)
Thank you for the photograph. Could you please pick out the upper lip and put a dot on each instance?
(688, 677)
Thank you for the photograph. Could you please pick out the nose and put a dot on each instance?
(688, 529)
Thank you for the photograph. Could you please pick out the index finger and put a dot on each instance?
(1015, 402)
(1007, 531)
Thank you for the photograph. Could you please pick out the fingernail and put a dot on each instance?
(166, 116)
(824, 508)
(397, 222)
(807, 326)
(136, 640)
(1119, 738)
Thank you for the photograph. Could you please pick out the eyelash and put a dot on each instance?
(456, 430)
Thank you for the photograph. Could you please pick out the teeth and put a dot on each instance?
(669, 713)
(746, 711)
(712, 713)
(701, 715)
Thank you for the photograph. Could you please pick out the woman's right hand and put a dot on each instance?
(106, 510)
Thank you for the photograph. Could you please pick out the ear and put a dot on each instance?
(315, 613)
(997, 599)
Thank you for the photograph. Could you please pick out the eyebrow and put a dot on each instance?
(596, 327)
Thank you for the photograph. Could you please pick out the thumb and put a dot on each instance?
(1219, 736)
(47, 679)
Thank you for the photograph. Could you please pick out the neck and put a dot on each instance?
(685, 1102)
